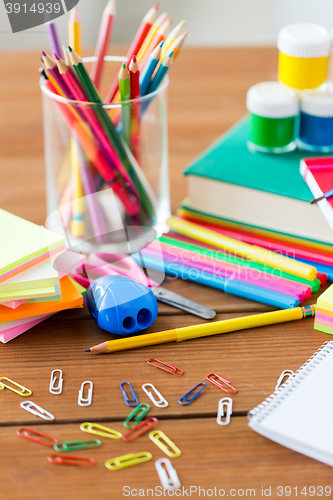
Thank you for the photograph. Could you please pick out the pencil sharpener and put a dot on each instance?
(121, 305)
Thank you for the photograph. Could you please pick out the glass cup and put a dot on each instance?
(107, 172)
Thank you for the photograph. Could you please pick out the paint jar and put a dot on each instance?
(303, 55)
(273, 117)
(316, 121)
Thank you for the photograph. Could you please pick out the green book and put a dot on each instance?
(261, 190)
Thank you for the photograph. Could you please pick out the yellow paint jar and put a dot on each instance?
(303, 55)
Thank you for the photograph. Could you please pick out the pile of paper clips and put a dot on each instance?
(135, 424)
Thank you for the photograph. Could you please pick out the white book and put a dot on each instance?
(299, 414)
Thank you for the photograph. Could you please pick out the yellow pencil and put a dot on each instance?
(74, 31)
(205, 330)
(151, 34)
(245, 250)
(177, 45)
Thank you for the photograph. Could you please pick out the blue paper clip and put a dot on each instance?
(185, 401)
(130, 402)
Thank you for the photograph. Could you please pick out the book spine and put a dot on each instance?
(323, 350)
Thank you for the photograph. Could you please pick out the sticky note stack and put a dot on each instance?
(324, 312)
(31, 289)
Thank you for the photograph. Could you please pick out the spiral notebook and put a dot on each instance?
(299, 415)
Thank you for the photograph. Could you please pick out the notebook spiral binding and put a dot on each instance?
(318, 355)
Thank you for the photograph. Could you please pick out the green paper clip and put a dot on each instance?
(77, 445)
(140, 411)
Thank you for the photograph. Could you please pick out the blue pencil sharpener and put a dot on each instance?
(120, 305)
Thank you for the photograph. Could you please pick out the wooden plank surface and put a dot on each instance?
(207, 95)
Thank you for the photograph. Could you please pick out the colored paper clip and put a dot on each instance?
(23, 392)
(26, 433)
(58, 459)
(128, 460)
(168, 447)
(130, 402)
(36, 410)
(162, 402)
(100, 430)
(137, 415)
(285, 373)
(212, 379)
(167, 474)
(185, 401)
(220, 411)
(53, 388)
(174, 371)
(140, 429)
(85, 401)
(77, 445)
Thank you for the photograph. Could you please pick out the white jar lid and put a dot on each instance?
(272, 100)
(317, 103)
(304, 40)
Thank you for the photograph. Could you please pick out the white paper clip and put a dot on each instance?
(168, 475)
(53, 388)
(85, 401)
(285, 373)
(162, 402)
(36, 410)
(220, 411)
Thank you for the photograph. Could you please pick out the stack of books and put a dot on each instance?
(259, 198)
(31, 289)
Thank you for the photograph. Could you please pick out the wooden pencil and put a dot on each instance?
(158, 38)
(134, 70)
(103, 42)
(125, 95)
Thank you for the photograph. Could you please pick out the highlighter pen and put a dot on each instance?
(204, 330)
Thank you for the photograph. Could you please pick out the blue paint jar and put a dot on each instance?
(316, 121)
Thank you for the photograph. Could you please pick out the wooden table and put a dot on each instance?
(207, 95)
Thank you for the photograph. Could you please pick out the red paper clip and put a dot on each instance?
(26, 433)
(140, 429)
(220, 386)
(58, 459)
(174, 371)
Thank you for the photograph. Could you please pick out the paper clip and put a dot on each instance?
(285, 373)
(162, 402)
(188, 401)
(168, 447)
(130, 402)
(52, 387)
(36, 410)
(128, 460)
(77, 445)
(23, 392)
(85, 401)
(220, 411)
(101, 430)
(168, 475)
(26, 433)
(140, 429)
(212, 379)
(140, 411)
(174, 371)
(57, 459)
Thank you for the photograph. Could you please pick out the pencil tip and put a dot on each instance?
(134, 58)
(70, 48)
(87, 350)
(43, 53)
(124, 66)
(156, 5)
(56, 57)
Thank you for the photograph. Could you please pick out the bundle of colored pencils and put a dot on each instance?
(105, 145)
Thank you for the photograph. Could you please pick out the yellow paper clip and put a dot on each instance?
(128, 460)
(168, 447)
(23, 392)
(100, 430)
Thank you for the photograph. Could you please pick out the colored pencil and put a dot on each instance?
(134, 70)
(148, 71)
(161, 72)
(67, 57)
(74, 31)
(158, 38)
(151, 34)
(173, 35)
(137, 42)
(125, 95)
(103, 42)
(252, 252)
(78, 223)
(53, 38)
(326, 195)
(206, 329)
(177, 45)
